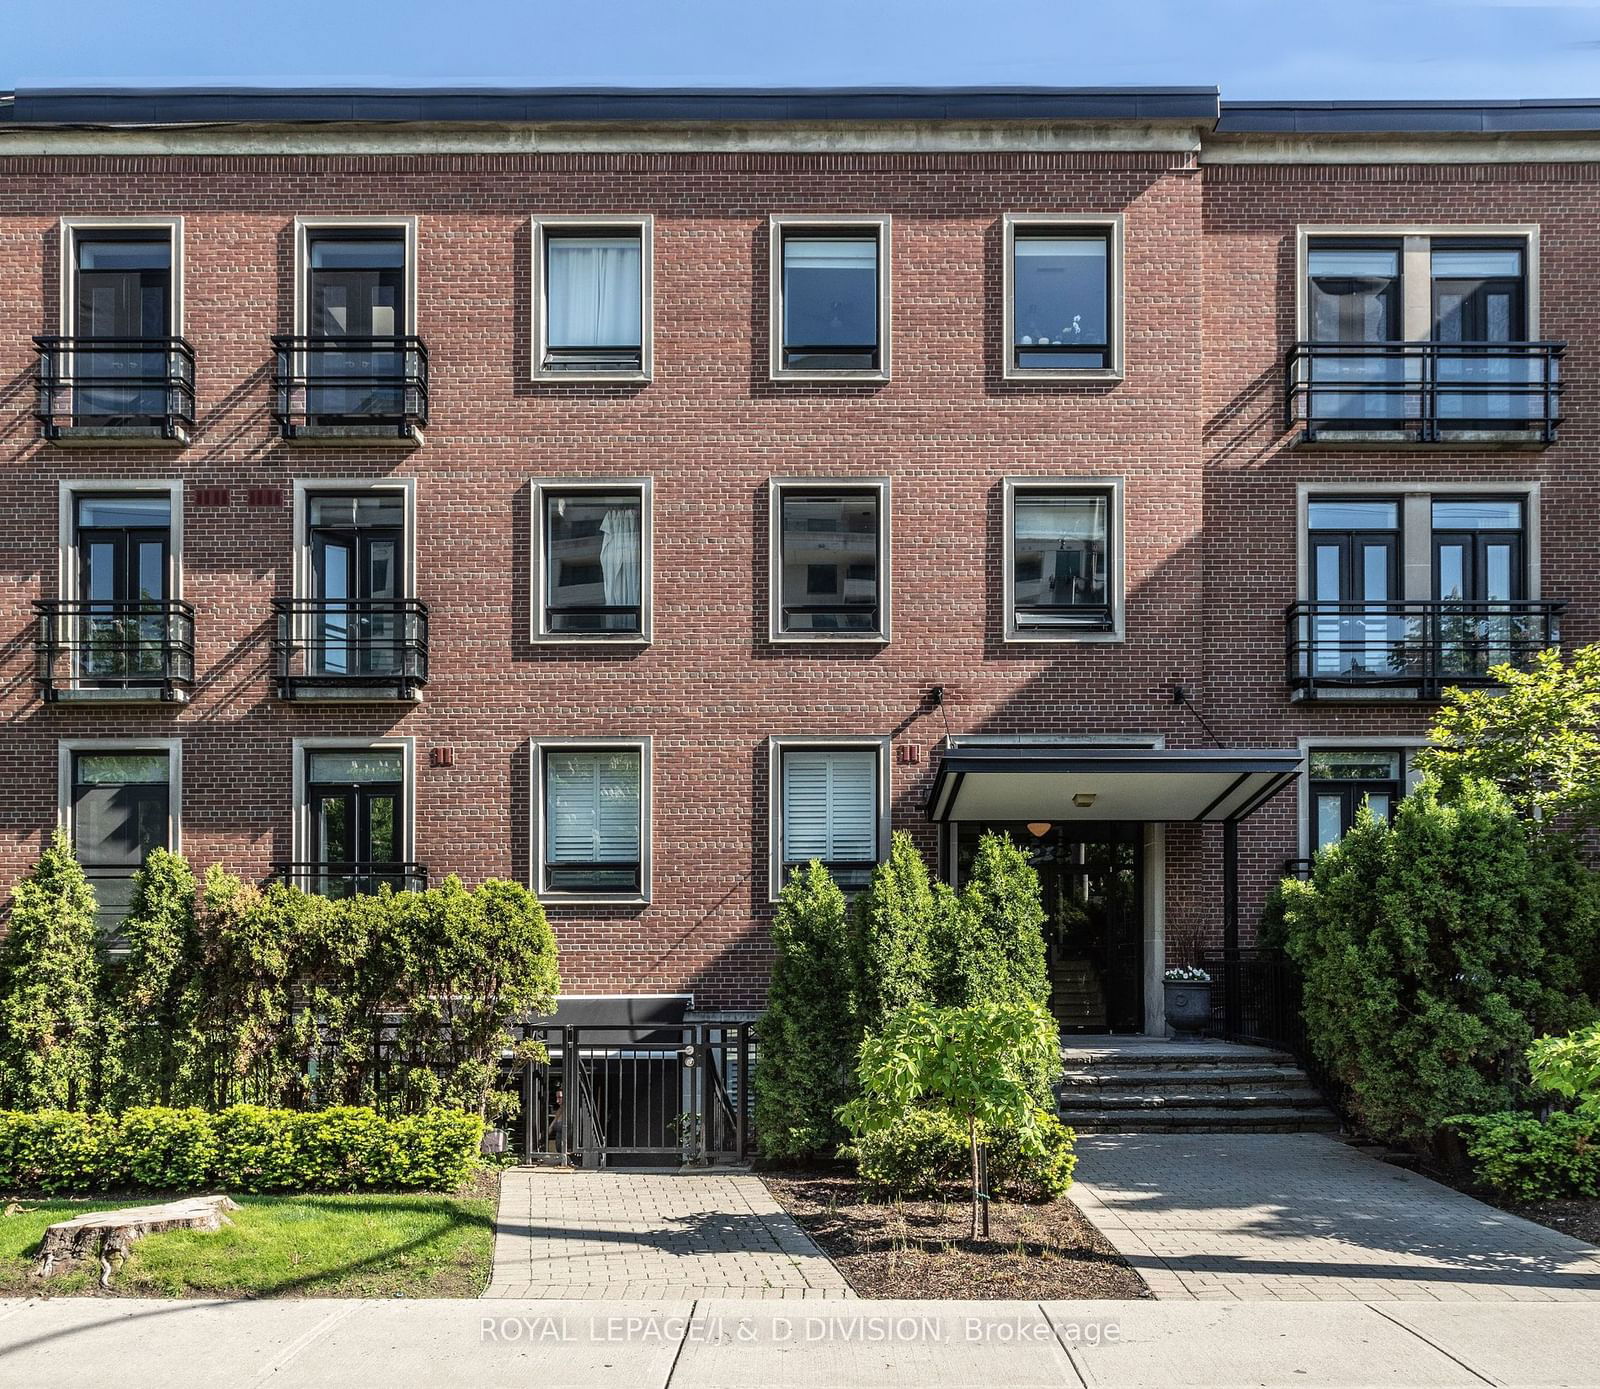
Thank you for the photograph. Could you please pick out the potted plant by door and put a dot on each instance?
(1188, 1001)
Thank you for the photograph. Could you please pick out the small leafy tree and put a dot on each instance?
(49, 973)
(1569, 1066)
(972, 1062)
(148, 998)
(810, 1030)
(893, 919)
(1432, 951)
(1536, 736)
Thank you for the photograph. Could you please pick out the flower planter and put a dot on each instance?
(1188, 1008)
(494, 1141)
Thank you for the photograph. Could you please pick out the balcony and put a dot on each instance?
(345, 649)
(328, 879)
(1457, 394)
(1410, 650)
(90, 651)
(355, 389)
(115, 390)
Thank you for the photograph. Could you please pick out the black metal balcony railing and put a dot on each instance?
(355, 384)
(333, 879)
(1431, 392)
(127, 384)
(1411, 649)
(90, 648)
(326, 644)
(1298, 868)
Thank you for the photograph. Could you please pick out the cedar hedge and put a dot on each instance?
(245, 1148)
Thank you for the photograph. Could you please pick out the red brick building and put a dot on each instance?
(630, 493)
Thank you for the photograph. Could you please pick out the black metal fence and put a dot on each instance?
(380, 644)
(90, 645)
(138, 384)
(632, 1095)
(350, 384)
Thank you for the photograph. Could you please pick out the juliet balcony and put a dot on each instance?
(1410, 650)
(90, 651)
(349, 649)
(351, 389)
(115, 390)
(330, 879)
(1455, 394)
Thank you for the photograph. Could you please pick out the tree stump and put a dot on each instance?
(109, 1234)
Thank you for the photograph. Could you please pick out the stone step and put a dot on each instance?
(1208, 1119)
(1173, 1056)
(1284, 1097)
(1208, 1076)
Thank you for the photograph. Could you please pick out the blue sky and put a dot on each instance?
(1252, 49)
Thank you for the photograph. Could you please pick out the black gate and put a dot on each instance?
(637, 1095)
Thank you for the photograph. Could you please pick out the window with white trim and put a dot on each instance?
(592, 298)
(830, 298)
(592, 560)
(1062, 290)
(830, 559)
(829, 807)
(592, 820)
(1062, 559)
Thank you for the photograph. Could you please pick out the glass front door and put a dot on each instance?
(1091, 882)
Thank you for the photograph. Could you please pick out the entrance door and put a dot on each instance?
(1091, 881)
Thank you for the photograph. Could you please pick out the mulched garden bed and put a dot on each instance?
(920, 1249)
(1578, 1216)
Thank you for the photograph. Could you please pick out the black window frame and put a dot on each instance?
(845, 491)
(874, 356)
(1353, 791)
(1055, 231)
(550, 611)
(622, 360)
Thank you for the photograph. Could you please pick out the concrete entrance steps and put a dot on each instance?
(1151, 1085)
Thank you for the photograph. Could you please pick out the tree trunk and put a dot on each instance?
(972, 1145)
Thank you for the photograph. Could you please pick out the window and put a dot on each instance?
(592, 298)
(592, 560)
(355, 805)
(591, 835)
(120, 363)
(1062, 297)
(830, 298)
(1429, 330)
(830, 559)
(119, 801)
(1062, 546)
(1340, 781)
(829, 803)
(357, 365)
(355, 620)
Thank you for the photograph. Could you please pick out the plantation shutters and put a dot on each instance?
(592, 806)
(830, 805)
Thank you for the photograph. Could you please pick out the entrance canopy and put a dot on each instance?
(1064, 782)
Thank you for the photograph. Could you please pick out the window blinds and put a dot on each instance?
(592, 806)
(830, 805)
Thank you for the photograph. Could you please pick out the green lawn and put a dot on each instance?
(280, 1246)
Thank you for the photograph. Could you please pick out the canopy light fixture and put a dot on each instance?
(1038, 828)
(1083, 799)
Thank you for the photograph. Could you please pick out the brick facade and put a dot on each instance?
(1194, 430)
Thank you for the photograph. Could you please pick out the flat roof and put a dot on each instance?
(126, 106)
(1409, 117)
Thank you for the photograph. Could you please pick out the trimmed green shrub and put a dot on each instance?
(243, 1149)
(49, 975)
(1432, 951)
(809, 1033)
(148, 998)
(1531, 1159)
(926, 1155)
(893, 918)
(991, 948)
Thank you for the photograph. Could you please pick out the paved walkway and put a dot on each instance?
(637, 1234)
(711, 1344)
(1305, 1217)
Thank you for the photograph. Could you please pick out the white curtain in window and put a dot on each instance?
(592, 806)
(594, 291)
(830, 805)
(619, 555)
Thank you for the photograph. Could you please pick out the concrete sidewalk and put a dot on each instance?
(733, 1344)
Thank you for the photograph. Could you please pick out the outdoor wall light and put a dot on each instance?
(1083, 799)
(1038, 828)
